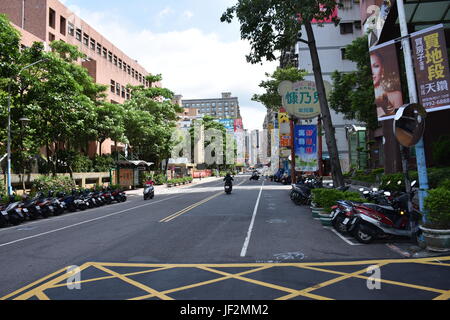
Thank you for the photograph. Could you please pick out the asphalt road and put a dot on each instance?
(186, 243)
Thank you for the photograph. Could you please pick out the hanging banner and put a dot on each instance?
(386, 80)
(432, 69)
(306, 151)
(285, 130)
(373, 17)
(301, 99)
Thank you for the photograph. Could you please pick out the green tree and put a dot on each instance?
(274, 25)
(150, 121)
(110, 123)
(271, 98)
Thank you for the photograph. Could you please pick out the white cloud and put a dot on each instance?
(165, 12)
(193, 63)
(188, 14)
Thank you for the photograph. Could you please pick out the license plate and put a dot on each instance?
(346, 221)
(38, 208)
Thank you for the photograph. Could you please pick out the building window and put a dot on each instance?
(128, 94)
(118, 89)
(343, 54)
(120, 64)
(358, 25)
(129, 69)
(93, 43)
(62, 25)
(346, 28)
(51, 37)
(78, 35)
(115, 60)
(105, 53)
(86, 40)
(123, 92)
(132, 72)
(71, 29)
(110, 56)
(113, 86)
(99, 48)
(52, 18)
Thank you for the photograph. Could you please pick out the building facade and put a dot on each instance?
(49, 20)
(331, 42)
(226, 107)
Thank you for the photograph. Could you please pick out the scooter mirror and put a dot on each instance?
(387, 193)
(375, 189)
(366, 192)
(361, 189)
(413, 183)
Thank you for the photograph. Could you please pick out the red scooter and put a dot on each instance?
(370, 221)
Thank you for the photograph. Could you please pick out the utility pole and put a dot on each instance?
(412, 90)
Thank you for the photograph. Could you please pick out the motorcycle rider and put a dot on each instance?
(228, 180)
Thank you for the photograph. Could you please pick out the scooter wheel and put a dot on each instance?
(362, 236)
(338, 225)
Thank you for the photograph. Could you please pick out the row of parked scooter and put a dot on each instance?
(15, 212)
(384, 215)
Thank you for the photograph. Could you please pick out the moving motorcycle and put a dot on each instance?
(149, 191)
(255, 176)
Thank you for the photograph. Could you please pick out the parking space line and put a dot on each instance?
(250, 229)
(343, 238)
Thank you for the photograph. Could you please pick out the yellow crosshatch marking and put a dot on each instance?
(39, 289)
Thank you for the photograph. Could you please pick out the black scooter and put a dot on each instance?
(149, 191)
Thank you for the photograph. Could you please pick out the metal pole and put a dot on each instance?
(420, 149)
(8, 171)
(293, 176)
(320, 146)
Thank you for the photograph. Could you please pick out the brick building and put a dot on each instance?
(49, 20)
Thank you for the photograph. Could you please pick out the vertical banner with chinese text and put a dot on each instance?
(432, 69)
(306, 157)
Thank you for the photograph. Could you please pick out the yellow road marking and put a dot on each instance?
(193, 206)
(39, 291)
(325, 284)
(112, 277)
(42, 296)
(134, 283)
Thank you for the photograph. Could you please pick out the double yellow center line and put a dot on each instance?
(195, 205)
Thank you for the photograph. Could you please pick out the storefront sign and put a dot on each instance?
(432, 68)
(301, 99)
(306, 151)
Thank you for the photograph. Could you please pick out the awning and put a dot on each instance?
(134, 163)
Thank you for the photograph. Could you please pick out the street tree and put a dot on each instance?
(151, 120)
(274, 25)
(271, 98)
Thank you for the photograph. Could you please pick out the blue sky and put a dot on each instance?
(184, 40)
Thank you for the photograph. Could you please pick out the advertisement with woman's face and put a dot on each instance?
(386, 80)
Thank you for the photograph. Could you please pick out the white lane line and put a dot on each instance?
(344, 238)
(250, 229)
(83, 222)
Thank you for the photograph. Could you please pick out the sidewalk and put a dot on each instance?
(162, 188)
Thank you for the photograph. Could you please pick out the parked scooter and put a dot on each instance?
(12, 213)
(374, 221)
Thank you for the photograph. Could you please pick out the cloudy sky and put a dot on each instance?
(184, 40)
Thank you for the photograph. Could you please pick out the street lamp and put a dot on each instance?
(8, 173)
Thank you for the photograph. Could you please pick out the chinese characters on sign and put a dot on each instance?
(306, 158)
(301, 99)
(432, 70)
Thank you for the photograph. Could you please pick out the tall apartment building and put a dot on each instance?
(331, 42)
(49, 20)
(226, 107)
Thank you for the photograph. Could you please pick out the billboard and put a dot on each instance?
(386, 80)
(238, 125)
(301, 99)
(228, 124)
(373, 16)
(306, 151)
(432, 69)
(284, 130)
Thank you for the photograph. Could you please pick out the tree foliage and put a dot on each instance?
(271, 98)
